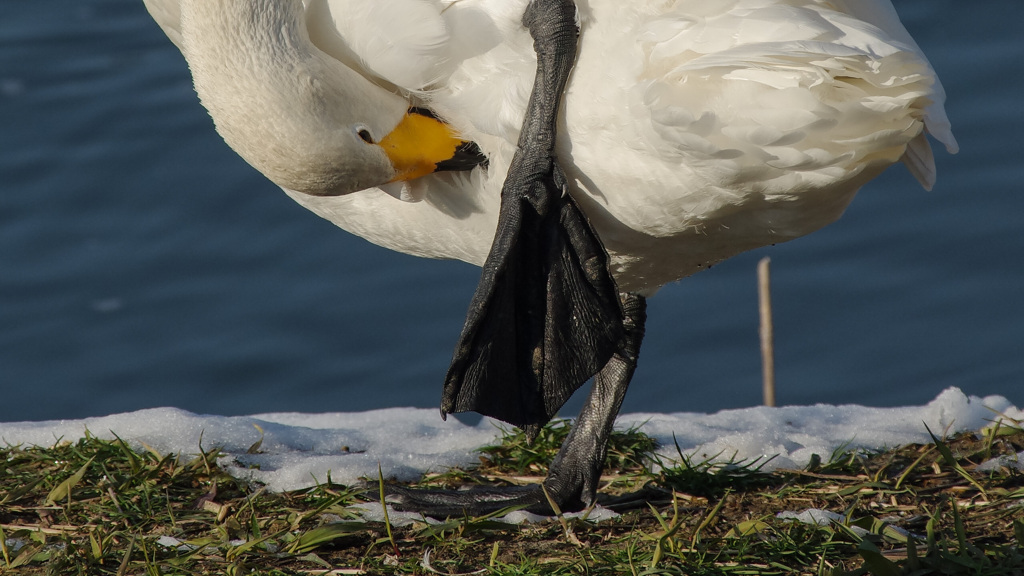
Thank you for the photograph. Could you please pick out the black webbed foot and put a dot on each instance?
(544, 319)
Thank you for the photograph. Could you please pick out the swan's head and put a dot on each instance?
(305, 120)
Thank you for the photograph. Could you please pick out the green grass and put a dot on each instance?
(99, 507)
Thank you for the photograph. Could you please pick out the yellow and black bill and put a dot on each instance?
(422, 144)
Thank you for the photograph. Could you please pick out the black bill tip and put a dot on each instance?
(467, 156)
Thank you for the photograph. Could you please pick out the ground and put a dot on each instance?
(99, 507)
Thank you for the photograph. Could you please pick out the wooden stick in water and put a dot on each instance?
(764, 298)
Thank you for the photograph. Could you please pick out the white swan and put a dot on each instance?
(691, 130)
(695, 129)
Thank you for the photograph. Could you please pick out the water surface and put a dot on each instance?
(143, 264)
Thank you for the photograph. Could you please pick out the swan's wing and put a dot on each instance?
(404, 42)
(918, 158)
(789, 94)
(167, 14)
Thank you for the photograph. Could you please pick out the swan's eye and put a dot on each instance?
(364, 134)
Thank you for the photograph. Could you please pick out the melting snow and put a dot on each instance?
(299, 450)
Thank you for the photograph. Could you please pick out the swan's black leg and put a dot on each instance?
(546, 315)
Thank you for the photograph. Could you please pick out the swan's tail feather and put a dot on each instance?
(919, 160)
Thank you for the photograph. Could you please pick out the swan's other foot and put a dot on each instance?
(476, 501)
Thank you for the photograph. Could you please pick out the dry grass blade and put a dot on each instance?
(63, 490)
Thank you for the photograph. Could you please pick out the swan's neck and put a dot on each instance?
(277, 100)
(258, 27)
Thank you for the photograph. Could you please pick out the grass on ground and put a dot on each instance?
(99, 507)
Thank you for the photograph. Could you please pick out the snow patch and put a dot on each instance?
(297, 451)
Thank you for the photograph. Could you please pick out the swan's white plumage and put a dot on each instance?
(694, 129)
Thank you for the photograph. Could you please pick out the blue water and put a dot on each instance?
(143, 264)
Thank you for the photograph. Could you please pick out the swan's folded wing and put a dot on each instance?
(795, 96)
(404, 42)
(882, 14)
